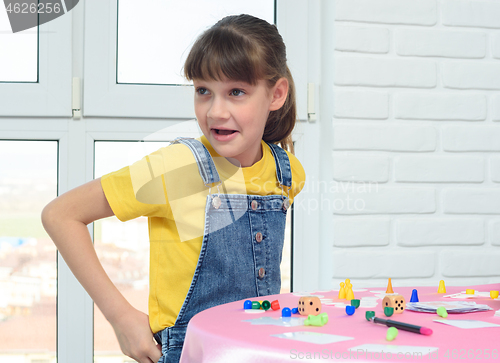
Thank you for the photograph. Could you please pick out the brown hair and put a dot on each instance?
(246, 48)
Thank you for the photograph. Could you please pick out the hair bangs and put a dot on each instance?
(223, 54)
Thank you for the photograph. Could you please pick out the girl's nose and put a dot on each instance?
(218, 109)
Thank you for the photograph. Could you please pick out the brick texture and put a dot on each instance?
(416, 141)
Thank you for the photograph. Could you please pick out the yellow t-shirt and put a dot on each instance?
(166, 187)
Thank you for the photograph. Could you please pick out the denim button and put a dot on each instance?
(255, 205)
(216, 202)
(262, 272)
(258, 237)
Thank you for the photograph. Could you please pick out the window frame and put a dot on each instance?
(103, 97)
(51, 95)
(139, 112)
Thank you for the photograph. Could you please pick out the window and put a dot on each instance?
(19, 56)
(28, 181)
(36, 108)
(36, 69)
(154, 37)
(114, 54)
(123, 248)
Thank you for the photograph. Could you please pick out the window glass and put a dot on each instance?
(28, 273)
(123, 248)
(18, 52)
(154, 37)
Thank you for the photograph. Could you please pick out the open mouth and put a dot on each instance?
(224, 132)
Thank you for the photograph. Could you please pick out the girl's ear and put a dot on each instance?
(279, 92)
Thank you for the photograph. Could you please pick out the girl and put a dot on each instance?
(216, 205)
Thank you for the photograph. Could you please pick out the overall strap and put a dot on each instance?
(283, 170)
(203, 158)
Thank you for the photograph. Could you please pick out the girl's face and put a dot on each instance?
(233, 115)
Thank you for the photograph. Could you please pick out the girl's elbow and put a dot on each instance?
(47, 216)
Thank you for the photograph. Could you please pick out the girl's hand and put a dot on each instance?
(135, 336)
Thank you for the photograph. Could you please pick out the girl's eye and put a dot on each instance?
(237, 92)
(202, 91)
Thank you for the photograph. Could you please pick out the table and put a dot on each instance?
(221, 334)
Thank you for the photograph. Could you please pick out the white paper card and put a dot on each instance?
(312, 337)
(467, 324)
(282, 321)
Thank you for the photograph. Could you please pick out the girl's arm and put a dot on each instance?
(65, 219)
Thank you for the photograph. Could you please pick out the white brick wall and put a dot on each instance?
(495, 105)
(416, 142)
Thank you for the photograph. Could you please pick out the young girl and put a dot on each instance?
(216, 205)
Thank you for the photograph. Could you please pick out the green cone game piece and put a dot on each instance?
(388, 311)
(317, 320)
(392, 333)
(369, 315)
(266, 305)
(441, 311)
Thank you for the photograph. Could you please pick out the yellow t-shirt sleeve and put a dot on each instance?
(137, 190)
(298, 176)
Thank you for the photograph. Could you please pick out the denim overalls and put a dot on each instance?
(240, 257)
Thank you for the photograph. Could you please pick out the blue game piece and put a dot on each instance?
(349, 309)
(286, 313)
(414, 296)
(247, 304)
(295, 311)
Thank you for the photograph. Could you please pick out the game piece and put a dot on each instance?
(342, 291)
(441, 311)
(349, 294)
(369, 315)
(247, 304)
(295, 311)
(389, 287)
(414, 296)
(355, 303)
(392, 333)
(388, 311)
(318, 320)
(255, 305)
(266, 305)
(469, 291)
(275, 305)
(396, 301)
(309, 305)
(286, 313)
(493, 294)
(349, 310)
(442, 288)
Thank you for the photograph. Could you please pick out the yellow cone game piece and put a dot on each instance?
(349, 294)
(442, 288)
(469, 291)
(493, 294)
(342, 291)
(389, 287)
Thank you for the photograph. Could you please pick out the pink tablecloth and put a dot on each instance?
(221, 334)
